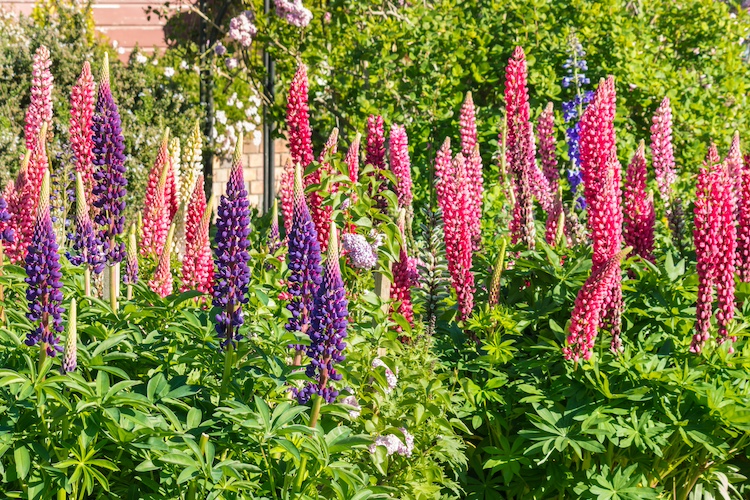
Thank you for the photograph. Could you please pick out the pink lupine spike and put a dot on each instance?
(528, 182)
(28, 187)
(661, 149)
(40, 108)
(734, 169)
(161, 283)
(171, 191)
(516, 106)
(404, 276)
(401, 165)
(588, 308)
(156, 218)
(320, 211)
(725, 261)
(743, 229)
(82, 101)
(198, 265)
(555, 225)
(443, 174)
(286, 194)
(545, 130)
(540, 186)
(375, 149)
(468, 126)
(298, 119)
(638, 216)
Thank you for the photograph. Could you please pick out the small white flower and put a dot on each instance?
(140, 58)
(239, 104)
(257, 137)
(169, 72)
(121, 50)
(155, 62)
(183, 65)
(115, 44)
(221, 117)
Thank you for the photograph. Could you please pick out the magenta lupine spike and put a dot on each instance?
(588, 308)
(162, 283)
(352, 164)
(232, 275)
(545, 131)
(454, 199)
(401, 165)
(516, 107)
(286, 194)
(540, 186)
(298, 119)
(734, 170)
(327, 331)
(661, 149)
(43, 275)
(743, 227)
(321, 213)
(198, 265)
(638, 215)
(82, 100)
(171, 189)
(555, 221)
(404, 278)
(375, 149)
(528, 181)
(726, 258)
(303, 262)
(468, 126)
(602, 178)
(40, 108)
(475, 179)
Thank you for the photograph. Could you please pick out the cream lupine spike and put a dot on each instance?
(174, 154)
(192, 163)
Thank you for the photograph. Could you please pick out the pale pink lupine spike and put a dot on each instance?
(545, 131)
(401, 165)
(40, 108)
(82, 101)
(298, 119)
(638, 215)
(161, 283)
(286, 194)
(157, 207)
(661, 149)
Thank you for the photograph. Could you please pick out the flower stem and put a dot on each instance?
(113, 278)
(87, 281)
(130, 292)
(314, 416)
(229, 355)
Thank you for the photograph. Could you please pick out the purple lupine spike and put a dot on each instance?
(232, 272)
(85, 243)
(303, 262)
(109, 177)
(7, 234)
(43, 276)
(327, 329)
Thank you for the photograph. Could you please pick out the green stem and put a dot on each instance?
(42, 356)
(87, 281)
(61, 495)
(314, 416)
(113, 287)
(227, 369)
(130, 292)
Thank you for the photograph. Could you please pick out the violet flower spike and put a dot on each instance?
(109, 177)
(303, 262)
(85, 243)
(232, 272)
(44, 293)
(327, 329)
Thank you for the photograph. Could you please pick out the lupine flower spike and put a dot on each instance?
(131, 268)
(401, 166)
(327, 330)
(7, 235)
(715, 241)
(191, 168)
(110, 187)
(86, 250)
(661, 150)
(298, 119)
(375, 153)
(40, 108)
(404, 276)
(638, 216)
(198, 267)
(274, 238)
(43, 276)
(162, 283)
(545, 131)
(743, 224)
(156, 210)
(352, 164)
(286, 194)
(232, 272)
(320, 211)
(70, 354)
(303, 262)
(82, 100)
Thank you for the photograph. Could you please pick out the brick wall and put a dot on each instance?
(252, 160)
